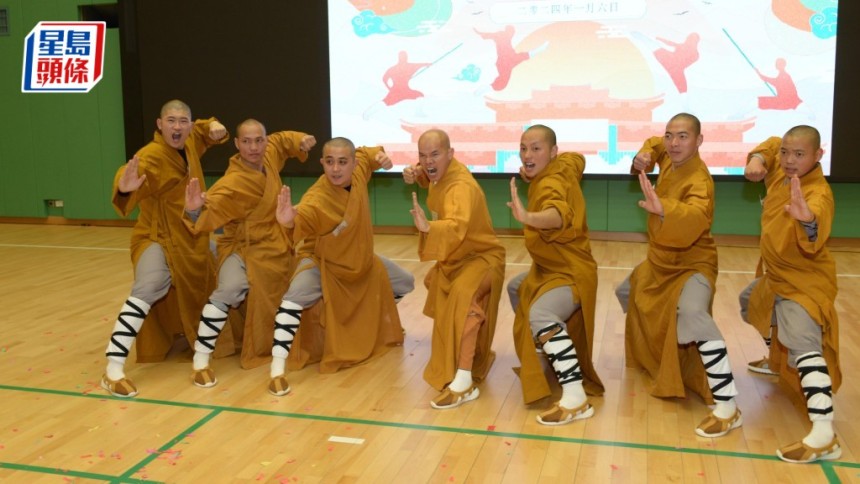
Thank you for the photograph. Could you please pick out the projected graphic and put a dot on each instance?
(604, 75)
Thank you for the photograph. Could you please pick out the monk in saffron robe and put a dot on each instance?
(174, 271)
(669, 329)
(358, 289)
(465, 284)
(554, 301)
(794, 291)
(255, 258)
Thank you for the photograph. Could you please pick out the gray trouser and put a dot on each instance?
(306, 286)
(232, 283)
(402, 282)
(695, 323)
(151, 275)
(554, 306)
(797, 330)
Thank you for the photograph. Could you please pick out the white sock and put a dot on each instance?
(115, 369)
(815, 381)
(716, 360)
(821, 434)
(125, 330)
(212, 321)
(725, 409)
(572, 395)
(286, 324)
(278, 365)
(462, 381)
(200, 360)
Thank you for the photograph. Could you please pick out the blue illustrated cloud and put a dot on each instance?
(469, 73)
(367, 23)
(823, 23)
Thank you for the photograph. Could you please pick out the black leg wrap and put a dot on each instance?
(811, 391)
(209, 341)
(572, 374)
(289, 328)
(725, 379)
(548, 329)
(130, 332)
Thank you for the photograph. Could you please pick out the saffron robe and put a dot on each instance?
(243, 202)
(462, 242)
(680, 245)
(161, 199)
(793, 267)
(561, 257)
(356, 318)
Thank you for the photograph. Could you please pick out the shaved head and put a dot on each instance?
(808, 132)
(697, 125)
(250, 122)
(548, 133)
(436, 134)
(175, 104)
(340, 142)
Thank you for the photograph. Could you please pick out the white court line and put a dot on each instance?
(607, 268)
(345, 440)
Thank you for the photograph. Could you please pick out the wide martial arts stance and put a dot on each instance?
(358, 289)
(794, 292)
(173, 269)
(670, 331)
(554, 301)
(465, 284)
(255, 257)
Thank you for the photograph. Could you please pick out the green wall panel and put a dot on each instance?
(596, 198)
(622, 212)
(391, 200)
(737, 208)
(299, 185)
(50, 155)
(111, 139)
(17, 165)
(846, 223)
(48, 131)
(498, 193)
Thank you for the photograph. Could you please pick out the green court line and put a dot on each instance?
(829, 473)
(216, 409)
(69, 473)
(493, 433)
(171, 443)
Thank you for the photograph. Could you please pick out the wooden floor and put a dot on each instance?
(62, 286)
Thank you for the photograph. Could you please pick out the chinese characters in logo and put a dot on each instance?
(63, 57)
